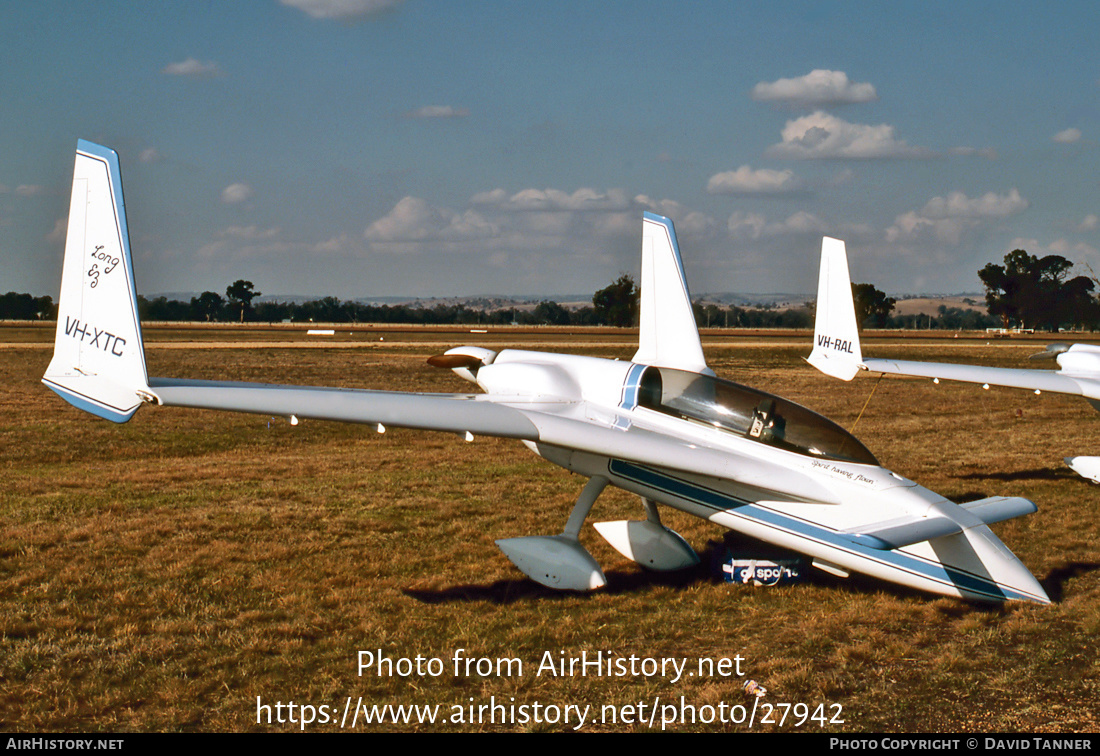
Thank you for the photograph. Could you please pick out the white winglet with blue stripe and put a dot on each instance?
(836, 349)
(668, 335)
(98, 362)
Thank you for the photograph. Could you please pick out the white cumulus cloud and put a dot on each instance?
(413, 219)
(1068, 136)
(252, 233)
(818, 88)
(236, 193)
(580, 222)
(59, 232)
(947, 218)
(821, 135)
(988, 153)
(193, 68)
(746, 225)
(438, 111)
(341, 10)
(746, 180)
(1062, 247)
(554, 200)
(989, 205)
(742, 225)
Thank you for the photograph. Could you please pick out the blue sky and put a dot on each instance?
(374, 147)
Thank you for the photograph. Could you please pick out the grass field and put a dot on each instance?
(169, 573)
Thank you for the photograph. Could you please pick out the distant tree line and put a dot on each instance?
(768, 316)
(945, 319)
(617, 304)
(15, 306)
(1025, 292)
(211, 307)
(1038, 292)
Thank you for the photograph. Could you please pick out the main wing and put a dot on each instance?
(457, 413)
(1036, 380)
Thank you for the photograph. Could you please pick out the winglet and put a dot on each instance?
(668, 336)
(1087, 467)
(836, 349)
(98, 362)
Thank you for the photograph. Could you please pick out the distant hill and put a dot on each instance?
(931, 305)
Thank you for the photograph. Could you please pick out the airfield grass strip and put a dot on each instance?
(163, 574)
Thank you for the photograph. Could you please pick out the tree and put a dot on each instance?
(873, 307)
(1033, 292)
(551, 313)
(617, 304)
(709, 315)
(207, 306)
(15, 306)
(241, 294)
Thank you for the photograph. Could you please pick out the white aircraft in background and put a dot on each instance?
(661, 425)
(837, 352)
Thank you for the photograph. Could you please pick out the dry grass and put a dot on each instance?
(163, 574)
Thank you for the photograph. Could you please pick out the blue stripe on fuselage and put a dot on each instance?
(722, 502)
(630, 387)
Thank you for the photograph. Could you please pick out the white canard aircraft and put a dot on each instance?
(662, 426)
(837, 352)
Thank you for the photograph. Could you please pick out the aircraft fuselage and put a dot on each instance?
(802, 499)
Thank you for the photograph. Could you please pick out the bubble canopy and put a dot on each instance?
(750, 413)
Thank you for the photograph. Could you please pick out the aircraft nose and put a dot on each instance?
(1005, 568)
(1024, 586)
